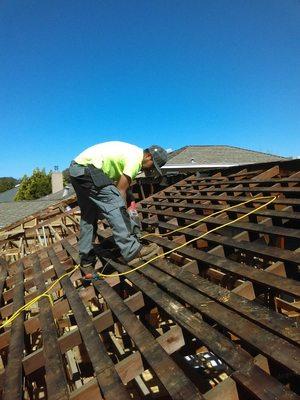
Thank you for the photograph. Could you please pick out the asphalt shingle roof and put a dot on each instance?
(8, 195)
(221, 155)
(13, 211)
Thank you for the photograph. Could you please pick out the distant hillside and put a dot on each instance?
(7, 183)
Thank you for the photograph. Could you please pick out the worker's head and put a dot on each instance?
(154, 157)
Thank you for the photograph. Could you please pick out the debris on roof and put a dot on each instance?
(215, 318)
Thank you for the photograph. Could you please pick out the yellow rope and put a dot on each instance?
(37, 298)
(47, 294)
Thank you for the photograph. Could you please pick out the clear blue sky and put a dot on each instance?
(77, 72)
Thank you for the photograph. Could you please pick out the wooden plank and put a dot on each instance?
(198, 182)
(132, 366)
(108, 379)
(3, 275)
(275, 348)
(13, 381)
(171, 376)
(270, 190)
(257, 276)
(263, 316)
(103, 321)
(225, 390)
(57, 387)
(275, 391)
(219, 198)
(88, 391)
(239, 210)
(244, 226)
(256, 249)
(32, 324)
(236, 358)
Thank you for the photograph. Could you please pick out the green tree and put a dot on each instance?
(66, 176)
(7, 183)
(35, 186)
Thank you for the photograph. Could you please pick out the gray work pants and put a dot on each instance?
(95, 203)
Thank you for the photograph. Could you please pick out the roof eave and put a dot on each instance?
(194, 166)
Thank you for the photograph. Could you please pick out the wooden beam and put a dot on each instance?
(57, 387)
(13, 381)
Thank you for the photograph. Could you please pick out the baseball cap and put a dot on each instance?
(159, 156)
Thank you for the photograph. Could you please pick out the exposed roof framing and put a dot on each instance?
(39, 229)
(231, 297)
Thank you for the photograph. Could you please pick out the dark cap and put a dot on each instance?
(159, 156)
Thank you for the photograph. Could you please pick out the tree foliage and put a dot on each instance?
(35, 186)
(66, 176)
(7, 183)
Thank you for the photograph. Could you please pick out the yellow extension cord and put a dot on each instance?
(48, 295)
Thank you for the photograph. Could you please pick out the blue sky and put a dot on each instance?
(75, 73)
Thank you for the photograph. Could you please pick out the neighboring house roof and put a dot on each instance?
(211, 156)
(12, 211)
(61, 194)
(8, 195)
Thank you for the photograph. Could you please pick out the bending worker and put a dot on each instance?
(101, 176)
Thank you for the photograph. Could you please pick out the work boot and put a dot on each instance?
(87, 267)
(89, 273)
(145, 253)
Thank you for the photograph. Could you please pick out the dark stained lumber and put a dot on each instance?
(13, 380)
(108, 379)
(73, 338)
(57, 387)
(88, 391)
(7, 310)
(267, 318)
(256, 249)
(32, 324)
(200, 182)
(257, 276)
(271, 346)
(224, 390)
(228, 199)
(173, 379)
(244, 226)
(171, 376)
(246, 376)
(238, 210)
(50, 273)
(3, 275)
(226, 180)
(252, 310)
(235, 358)
(270, 190)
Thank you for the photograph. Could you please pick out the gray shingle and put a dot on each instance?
(8, 195)
(221, 155)
(13, 211)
